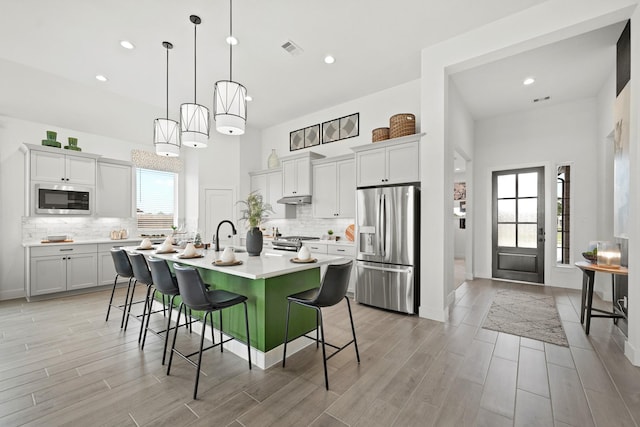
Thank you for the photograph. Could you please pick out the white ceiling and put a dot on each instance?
(50, 52)
(574, 68)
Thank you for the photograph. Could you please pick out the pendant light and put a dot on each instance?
(229, 97)
(166, 136)
(194, 118)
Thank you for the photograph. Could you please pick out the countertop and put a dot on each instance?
(341, 242)
(118, 242)
(268, 264)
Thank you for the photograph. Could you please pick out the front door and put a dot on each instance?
(518, 225)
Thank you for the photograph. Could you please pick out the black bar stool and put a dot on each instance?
(196, 296)
(332, 290)
(123, 269)
(142, 275)
(167, 284)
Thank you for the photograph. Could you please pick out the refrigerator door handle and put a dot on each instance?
(384, 224)
(379, 235)
(393, 270)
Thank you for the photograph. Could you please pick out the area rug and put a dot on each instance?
(527, 315)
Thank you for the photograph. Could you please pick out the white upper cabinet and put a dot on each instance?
(395, 161)
(296, 174)
(334, 188)
(114, 193)
(62, 168)
(269, 184)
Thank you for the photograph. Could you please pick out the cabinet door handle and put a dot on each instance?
(66, 250)
(61, 179)
(339, 250)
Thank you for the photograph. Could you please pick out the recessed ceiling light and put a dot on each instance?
(528, 81)
(232, 40)
(127, 44)
(101, 78)
(329, 59)
(248, 98)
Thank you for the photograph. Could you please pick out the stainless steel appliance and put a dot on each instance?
(290, 243)
(388, 245)
(56, 199)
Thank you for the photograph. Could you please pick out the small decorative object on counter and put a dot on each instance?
(278, 234)
(331, 236)
(197, 241)
(73, 144)
(349, 233)
(402, 125)
(273, 161)
(379, 134)
(255, 211)
(51, 140)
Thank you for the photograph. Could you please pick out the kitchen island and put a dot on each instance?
(266, 281)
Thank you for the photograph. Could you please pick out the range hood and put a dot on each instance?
(295, 200)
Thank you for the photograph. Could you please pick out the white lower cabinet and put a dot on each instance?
(349, 252)
(62, 268)
(106, 268)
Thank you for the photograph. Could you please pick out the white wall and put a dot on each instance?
(539, 25)
(548, 136)
(374, 109)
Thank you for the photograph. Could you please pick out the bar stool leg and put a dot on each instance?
(324, 351)
(221, 345)
(583, 297)
(589, 301)
(286, 334)
(133, 291)
(204, 324)
(147, 303)
(113, 290)
(126, 302)
(613, 298)
(317, 330)
(353, 329)
(146, 324)
(173, 344)
(166, 337)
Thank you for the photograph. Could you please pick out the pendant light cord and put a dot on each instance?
(231, 44)
(167, 99)
(195, 55)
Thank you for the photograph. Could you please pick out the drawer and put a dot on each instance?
(344, 250)
(318, 248)
(63, 250)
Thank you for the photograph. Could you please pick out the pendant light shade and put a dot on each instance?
(166, 136)
(229, 97)
(194, 118)
(230, 107)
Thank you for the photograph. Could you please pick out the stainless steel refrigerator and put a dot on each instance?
(388, 245)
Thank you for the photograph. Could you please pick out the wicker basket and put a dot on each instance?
(402, 125)
(379, 134)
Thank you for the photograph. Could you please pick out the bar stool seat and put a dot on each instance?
(196, 296)
(124, 270)
(332, 290)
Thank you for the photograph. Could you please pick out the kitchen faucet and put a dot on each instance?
(216, 237)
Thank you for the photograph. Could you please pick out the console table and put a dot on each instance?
(588, 284)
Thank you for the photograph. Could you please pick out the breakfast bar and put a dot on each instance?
(266, 281)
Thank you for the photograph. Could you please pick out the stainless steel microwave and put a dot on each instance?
(55, 199)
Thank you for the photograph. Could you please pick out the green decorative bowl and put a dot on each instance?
(590, 257)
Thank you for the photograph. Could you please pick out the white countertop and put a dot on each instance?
(119, 242)
(268, 264)
(341, 242)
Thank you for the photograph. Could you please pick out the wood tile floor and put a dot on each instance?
(62, 364)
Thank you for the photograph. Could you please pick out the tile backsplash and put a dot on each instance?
(306, 225)
(37, 228)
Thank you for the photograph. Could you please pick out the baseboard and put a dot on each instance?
(433, 314)
(632, 353)
(12, 294)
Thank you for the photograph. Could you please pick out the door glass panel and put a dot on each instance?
(528, 184)
(528, 210)
(507, 235)
(527, 237)
(506, 211)
(506, 186)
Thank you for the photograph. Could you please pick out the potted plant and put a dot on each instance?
(330, 233)
(254, 212)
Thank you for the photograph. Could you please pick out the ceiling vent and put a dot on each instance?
(546, 98)
(292, 48)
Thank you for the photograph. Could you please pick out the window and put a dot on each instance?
(155, 198)
(563, 219)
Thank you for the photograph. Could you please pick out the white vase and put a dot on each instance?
(273, 161)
